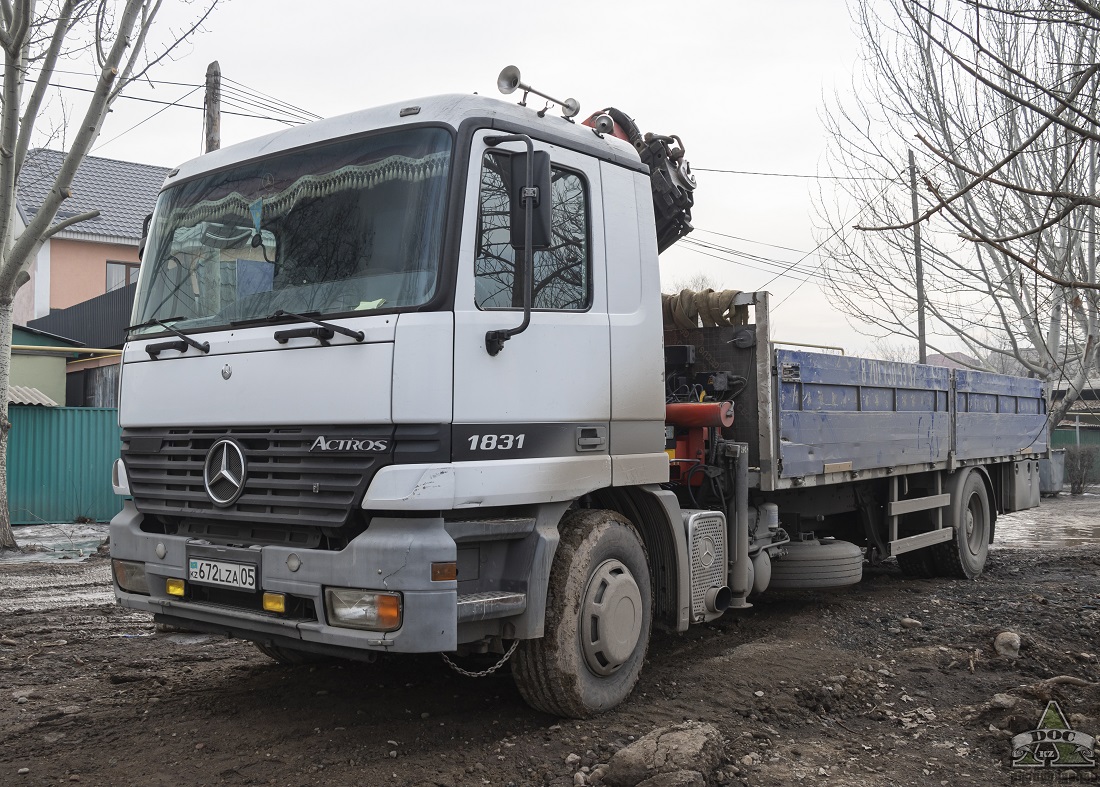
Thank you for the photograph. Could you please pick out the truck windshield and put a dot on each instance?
(348, 227)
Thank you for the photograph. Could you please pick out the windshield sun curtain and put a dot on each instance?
(344, 228)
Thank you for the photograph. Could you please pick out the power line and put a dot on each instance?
(788, 174)
(272, 98)
(162, 109)
(245, 100)
(773, 265)
(268, 101)
(174, 104)
(739, 262)
(749, 240)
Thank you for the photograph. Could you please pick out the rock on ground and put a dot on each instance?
(676, 779)
(1007, 644)
(675, 752)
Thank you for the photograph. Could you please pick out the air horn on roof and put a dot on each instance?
(509, 82)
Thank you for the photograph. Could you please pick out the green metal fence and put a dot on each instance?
(1069, 436)
(59, 464)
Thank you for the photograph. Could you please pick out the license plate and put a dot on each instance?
(216, 572)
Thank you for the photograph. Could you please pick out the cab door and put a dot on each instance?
(545, 399)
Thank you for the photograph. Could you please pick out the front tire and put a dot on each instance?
(598, 620)
(964, 556)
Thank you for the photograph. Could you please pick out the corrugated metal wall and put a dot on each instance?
(59, 464)
(97, 322)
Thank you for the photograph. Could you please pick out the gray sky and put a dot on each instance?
(742, 83)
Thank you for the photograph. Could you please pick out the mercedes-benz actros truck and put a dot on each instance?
(403, 381)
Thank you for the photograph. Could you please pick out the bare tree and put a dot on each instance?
(999, 100)
(114, 37)
(886, 350)
(696, 282)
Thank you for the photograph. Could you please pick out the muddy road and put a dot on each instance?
(895, 681)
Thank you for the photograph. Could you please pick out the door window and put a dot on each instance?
(562, 272)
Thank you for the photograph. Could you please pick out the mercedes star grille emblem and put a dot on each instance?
(223, 473)
(707, 551)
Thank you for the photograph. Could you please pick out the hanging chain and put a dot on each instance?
(483, 672)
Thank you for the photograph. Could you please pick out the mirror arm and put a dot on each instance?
(494, 340)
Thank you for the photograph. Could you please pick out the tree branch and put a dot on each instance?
(38, 93)
(65, 223)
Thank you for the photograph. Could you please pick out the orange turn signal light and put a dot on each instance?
(443, 572)
(389, 612)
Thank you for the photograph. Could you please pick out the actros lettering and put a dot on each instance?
(322, 443)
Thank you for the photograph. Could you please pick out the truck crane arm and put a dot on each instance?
(669, 172)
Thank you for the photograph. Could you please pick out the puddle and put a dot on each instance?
(56, 542)
(1062, 521)
(47, 589)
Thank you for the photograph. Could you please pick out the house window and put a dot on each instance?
(562, 272)
(120, 274)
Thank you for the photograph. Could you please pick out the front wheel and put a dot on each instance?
(598, 619)
(964, 556)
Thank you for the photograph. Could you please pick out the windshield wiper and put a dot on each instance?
(155, 349)
(152, 322)
(323, 335)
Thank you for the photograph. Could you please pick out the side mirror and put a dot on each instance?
(144, 235)
(541, 237)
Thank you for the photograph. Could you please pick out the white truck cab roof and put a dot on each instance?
(451, 110)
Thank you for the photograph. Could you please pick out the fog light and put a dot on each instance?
(275, 602)
(363, 609)
(174, 587)
(131, 576)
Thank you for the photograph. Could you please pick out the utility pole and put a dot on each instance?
(213, 107)
(922, 347)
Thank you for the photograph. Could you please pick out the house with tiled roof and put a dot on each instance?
(92, 257)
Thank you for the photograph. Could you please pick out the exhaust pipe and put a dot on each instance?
(717, 599)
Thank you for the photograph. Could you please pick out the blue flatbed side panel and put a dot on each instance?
(998, 415)
(835, 409)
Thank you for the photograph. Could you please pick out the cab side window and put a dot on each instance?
(562, 272)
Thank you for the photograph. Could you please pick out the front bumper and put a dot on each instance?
(391, 555)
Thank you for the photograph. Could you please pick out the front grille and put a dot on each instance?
(285, 484)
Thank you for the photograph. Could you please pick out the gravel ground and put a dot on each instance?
(894, 681)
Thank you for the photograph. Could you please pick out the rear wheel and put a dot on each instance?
(964, 556)
(598, 619)
(920, 563)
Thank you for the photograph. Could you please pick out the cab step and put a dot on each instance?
(489, 605)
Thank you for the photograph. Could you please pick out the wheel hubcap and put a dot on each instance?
(611, 617)
(973, 532)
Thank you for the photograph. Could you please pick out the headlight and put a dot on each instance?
(119, 480)
(363, 609)
(131, 576)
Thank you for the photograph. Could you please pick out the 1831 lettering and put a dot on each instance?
(495, 442)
